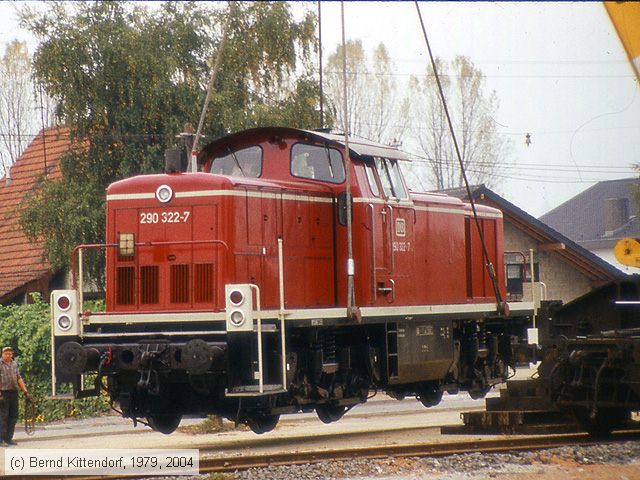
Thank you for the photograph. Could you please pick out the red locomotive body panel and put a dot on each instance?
(226, 289)
(409, 249)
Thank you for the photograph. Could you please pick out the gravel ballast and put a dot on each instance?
(462, 466)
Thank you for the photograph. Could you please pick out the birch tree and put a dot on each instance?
(472, 109)
(24, 107)
(374, 108)
(17, 114)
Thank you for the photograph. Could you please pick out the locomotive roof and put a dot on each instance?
(357, 146)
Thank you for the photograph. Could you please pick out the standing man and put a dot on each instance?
(10, 380)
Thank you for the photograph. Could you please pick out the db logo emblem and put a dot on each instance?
(401, 227)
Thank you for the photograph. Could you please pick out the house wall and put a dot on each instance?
(562, 280)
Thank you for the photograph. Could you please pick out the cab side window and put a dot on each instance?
(390, 178)
(369, 168)
(384, 177)
(317, 163)
(246, 162)
(396, 178)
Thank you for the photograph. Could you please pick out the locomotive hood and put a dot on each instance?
(145, 186)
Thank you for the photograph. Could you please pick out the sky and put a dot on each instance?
(558, 69)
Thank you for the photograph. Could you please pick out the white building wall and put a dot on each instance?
(562, 280)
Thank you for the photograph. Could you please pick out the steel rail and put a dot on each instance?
(231, 464)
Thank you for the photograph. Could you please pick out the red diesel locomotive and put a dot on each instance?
(226, 289)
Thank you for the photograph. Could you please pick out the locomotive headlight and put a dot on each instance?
(164, 193)
(64, 303)
(64, 313)
(64, 322)
(239, 312)
(236, 297)
(237, 318)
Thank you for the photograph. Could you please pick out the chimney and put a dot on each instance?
(616, 214)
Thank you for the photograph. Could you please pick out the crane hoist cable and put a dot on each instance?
(485, 253)
(212, 79)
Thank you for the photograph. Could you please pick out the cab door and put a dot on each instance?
(395, 223)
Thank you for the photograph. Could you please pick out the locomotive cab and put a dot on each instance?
(226, 289)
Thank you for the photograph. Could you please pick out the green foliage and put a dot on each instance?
(63, 215)
(127, 78)
(28, 330)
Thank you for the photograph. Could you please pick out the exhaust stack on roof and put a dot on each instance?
(616, 214)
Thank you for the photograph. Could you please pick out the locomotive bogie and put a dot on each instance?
(591, 355)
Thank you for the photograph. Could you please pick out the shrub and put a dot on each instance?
(27, 329)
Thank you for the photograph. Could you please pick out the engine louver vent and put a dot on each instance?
(149, 286)
(203, 283)
(179, 284)
(126, 285)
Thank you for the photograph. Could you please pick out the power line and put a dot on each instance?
(30, 136)
(523, 176)
(536, 178)
(481, 61)
(355, 73)
(416, 157)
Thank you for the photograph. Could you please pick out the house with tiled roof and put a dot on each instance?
(562, 269)
(600, 216)
(23, 267)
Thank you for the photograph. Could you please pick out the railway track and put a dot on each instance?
(227, 464)
(231, 464)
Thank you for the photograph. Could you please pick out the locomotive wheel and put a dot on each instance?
(605, 421)
(478, 393)
(430, 398)
(262, 423)
(330, 413)
(164, 422)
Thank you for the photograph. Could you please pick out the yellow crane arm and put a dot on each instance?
(627, 252)
(625, 17)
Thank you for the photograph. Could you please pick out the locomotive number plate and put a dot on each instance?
(164, 217)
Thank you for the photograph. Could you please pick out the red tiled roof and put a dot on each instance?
(22, 262)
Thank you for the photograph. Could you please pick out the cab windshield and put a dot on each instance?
(317, 163)
(246, 162)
